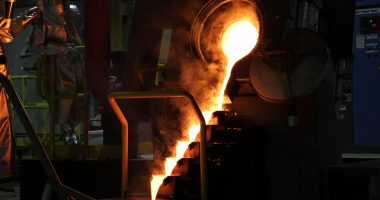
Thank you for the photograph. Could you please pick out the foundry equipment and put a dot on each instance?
(365, 75)
(186, 50)
(287, 64)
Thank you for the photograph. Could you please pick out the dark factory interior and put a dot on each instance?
(190, 99)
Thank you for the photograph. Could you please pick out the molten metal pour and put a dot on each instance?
(238, 40)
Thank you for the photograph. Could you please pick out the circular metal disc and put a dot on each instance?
(300, 79)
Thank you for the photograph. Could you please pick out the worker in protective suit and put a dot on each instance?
(55, 33)
(6, 36)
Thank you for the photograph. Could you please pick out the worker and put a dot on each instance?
(55, 34)
(6, 134)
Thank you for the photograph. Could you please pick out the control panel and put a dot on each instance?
(366, 74)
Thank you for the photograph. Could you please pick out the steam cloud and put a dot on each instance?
(195, 76)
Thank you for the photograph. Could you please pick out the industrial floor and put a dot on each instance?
(10, 190)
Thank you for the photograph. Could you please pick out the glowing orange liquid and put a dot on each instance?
(238, 41)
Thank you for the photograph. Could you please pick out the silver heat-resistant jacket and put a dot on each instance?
(5, 123)
(57, 32)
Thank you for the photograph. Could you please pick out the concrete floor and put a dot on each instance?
(10, 190)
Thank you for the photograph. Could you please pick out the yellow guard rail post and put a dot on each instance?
(158, 95)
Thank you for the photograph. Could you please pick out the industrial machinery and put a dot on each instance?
(365, 71)
(179, 45)
(357, 176)
(289, 61)
(184, 51)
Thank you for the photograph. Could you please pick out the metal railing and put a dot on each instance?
(158, 95)
(41, 105)
(62, 190)
(47, 87)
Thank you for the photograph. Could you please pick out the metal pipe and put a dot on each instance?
(36, 144)
(159, 95)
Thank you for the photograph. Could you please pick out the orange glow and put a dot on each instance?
(238, 41)
(208, 114)
(155, 184)
(193, 132)
(171, 162)
(169, 165)
(181, 148)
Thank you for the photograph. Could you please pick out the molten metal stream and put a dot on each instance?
(238, 41)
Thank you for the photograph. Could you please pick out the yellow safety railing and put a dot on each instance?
(41, 105)
(158, 95)
(63, 191)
